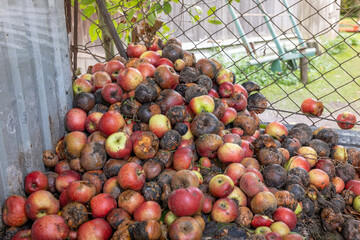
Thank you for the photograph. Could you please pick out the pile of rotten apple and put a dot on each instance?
(166, 147)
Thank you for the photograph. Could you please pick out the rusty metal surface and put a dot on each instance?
(35, 86)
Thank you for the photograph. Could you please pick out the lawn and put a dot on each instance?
(334, 78)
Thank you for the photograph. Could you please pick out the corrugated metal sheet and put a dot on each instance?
(35, 86)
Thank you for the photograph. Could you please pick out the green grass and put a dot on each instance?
(334, 78)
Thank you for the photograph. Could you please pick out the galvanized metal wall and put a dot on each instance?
(35, 86)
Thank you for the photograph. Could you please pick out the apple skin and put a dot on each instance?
(203, 103)
(261, 220)
(347, 117)
(41, 203)
(251, 184)
(309, 154)
(131, 176)
(96, 229)
(356, 204)
(148, 210)
(166, 77)
(179, 65)
(112, 93)
(35, 181)
(240, 89)
(229, 115)
(183, 158)
(135, 50)
(113, 67)
(353, 185)
(312, 107)
(338, 184)
(74, 142)
(285, 215)
(13, 213)
(129, 79)
(226, 89)
(82, 85)
(262, 230)
(230, 153)
(247, 148)
(276, 130)
(80, 191)
(239, 196)
(319, 178)
(273, 236)
(186, 201)
(224, 75)
(111, 122)
(159, 124)
(146, 70)
(50, 227)
(99, 80)
(186, 228)
(221, 186)
(118, 145)
(213, 93)
(130, 200)
(92, 122)
(281, 228)
(75, 120)
(102, 204)
(224, 210)
(207, 206)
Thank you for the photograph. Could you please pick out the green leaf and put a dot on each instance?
(165, 28)
(120, 27)
(151, 19)
(211, 11)
(214, 21)
(130, 14)
(198, 9)
(157, 7)
(167, 8)
(177, 1)
(88, 12)
(92, 32)
(130, 4)
(87, 2)
(195, 18)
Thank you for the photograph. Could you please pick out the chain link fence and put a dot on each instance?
(295, 49)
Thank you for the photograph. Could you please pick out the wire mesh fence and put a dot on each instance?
(295, 49)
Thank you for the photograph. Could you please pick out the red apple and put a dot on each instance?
(112, 93)
(312, 107)
(273, 236)
(213, 93)
(240, 102)
(130, 200)
(13, 213)
(261, 220)
(99, 80)
(63, 199)
(226, 89)
(281, 228)
(251, 184)
(257, 172)
(131, 176)
(285, 215)
(224, 210)
(111, 122)
(118, 145)
(97, 67)
(146, 70)
(185, 228)
(159, 124)
(92, 122)
(22, 235)
(164, 61)
(230, 153)
(221, 186)
(276, 130)
(50, 227)
(338, 184)
(205, 162)
(129, 79)
(96, 229)
(240, 89)
(148, 210)
(229, 115)
(224, 75)
(347, 120)
(102, 204)
(153, 56)
(75, 120)
(157, 44)
(65, 178)
(207, 206)
(183, 158)
(80, 191)
(186, 201)
(166, 77)
(238, 197)
(353, 185)
(113, 67)
(41, 203)
(297, 161)
(112, 187)
(319, 178)
(82, 85)
(134, 50)
(35, 181)
(86, 76)
(235, 172)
